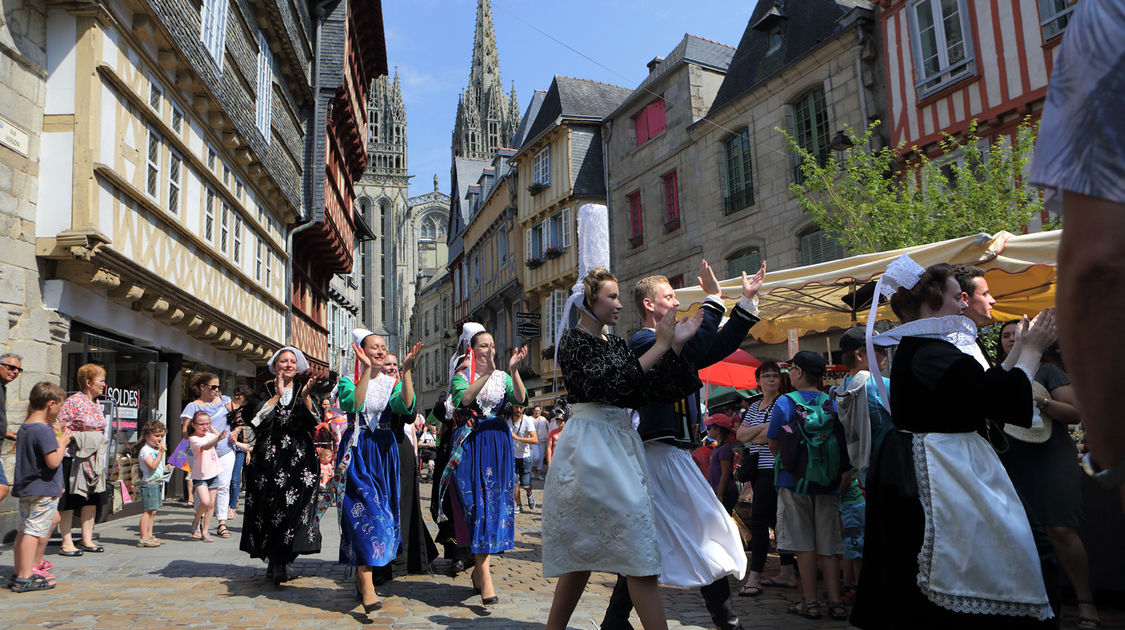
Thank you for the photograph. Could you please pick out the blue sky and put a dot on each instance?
(431, 43)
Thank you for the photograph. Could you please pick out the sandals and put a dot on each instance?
(750, 591)
(197, 530)
(206, 538)
(33, 583)
(810, 610)
(149, 542)
(775, 582)
(222, 531)
(1088, 623)
(837, 611)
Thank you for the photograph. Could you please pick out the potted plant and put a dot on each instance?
(535, 188)
(534, 263)
(553, 252)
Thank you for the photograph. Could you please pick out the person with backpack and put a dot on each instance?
(810, 457)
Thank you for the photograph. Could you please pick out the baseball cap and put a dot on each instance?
(853, 339)
(720, 420)
(810, 362)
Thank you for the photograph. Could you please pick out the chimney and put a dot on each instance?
(654, 64)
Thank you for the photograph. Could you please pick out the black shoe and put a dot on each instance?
(71, 554)
(281, 574)
(488, 601)
(370, 608)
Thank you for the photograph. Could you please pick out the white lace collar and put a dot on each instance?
(493, 392)
(956, 329)
(379, 390)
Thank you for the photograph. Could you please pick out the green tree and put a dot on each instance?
(869, 201)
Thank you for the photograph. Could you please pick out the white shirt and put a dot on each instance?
(524, 428)
(542, 428)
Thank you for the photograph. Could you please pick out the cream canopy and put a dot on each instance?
(1021, 273)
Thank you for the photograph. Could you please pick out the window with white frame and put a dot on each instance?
(236, 242)
(211, 157)
(177, 119)
(557, 230)
(209, 216)
(541, 167)
(224, 228)
(155, 95)
(213, 15)
(264, 97)
(941, 37)
(152, 162)
(269, 266)
(534, 243)
(175, 167)
(226, 174)
(238, 189)
(258, 259)
(1054, 15)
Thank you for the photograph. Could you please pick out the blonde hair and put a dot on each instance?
(593, 281)
(646, 290)
(87, 373)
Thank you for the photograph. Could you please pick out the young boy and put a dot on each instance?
(38, 484)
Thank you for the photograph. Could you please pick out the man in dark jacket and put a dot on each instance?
(669, 431)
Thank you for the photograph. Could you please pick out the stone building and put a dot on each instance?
(560, 167)
(810, 68)
(494, 248)
(432, 323)
(652, 163)
(351, 54)
(157, 246)
(487, 118)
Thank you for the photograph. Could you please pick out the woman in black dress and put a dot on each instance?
(282, 477)
(417, 549)
(1047, 475)
(948, 544)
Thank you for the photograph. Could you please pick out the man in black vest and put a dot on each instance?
(669, 430)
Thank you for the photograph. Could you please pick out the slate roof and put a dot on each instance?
(691, 49)
(575, 99)
(529, 116)
(805, 26)
(468, 173)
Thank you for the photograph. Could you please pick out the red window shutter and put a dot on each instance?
(636, 218)
(640, 124)
(655, 118)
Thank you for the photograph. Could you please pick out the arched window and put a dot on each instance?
(428, 233)
(748, 260)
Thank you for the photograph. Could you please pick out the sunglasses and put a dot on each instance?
(14, 368)
(213, 388)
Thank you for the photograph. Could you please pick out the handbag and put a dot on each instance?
(747, 471)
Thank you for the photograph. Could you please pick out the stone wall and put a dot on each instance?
(25, 327)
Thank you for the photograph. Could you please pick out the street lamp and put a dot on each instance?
(841, 142)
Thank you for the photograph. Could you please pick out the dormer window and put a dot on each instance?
(774, 38)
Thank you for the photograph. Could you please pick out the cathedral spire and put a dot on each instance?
(486, 59)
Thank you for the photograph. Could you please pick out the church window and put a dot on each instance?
(493, 134)
(541, 167)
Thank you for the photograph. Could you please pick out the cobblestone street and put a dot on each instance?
(186, 583)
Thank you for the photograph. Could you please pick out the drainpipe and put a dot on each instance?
(318, 13)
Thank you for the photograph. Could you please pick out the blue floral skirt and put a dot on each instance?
(485, 481)
(369, 520)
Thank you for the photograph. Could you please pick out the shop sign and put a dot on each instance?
(527, 330)
(527, 316)
(128, 406)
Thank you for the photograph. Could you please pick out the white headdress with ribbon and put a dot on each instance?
(302, 362)
(902, 273)
(468, 329)
(358, 336)
(593, 252)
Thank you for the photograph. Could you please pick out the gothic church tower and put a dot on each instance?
(487, 118)
(382, 200)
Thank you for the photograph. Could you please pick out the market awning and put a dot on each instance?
(737, 371)
(837, 294)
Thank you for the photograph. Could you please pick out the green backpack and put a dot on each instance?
(812, 445)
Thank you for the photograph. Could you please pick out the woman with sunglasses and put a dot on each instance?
(210, 400)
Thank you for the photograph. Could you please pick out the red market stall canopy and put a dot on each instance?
(1021, 273)
(737, 371)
